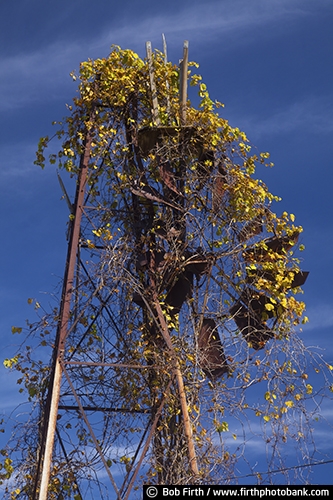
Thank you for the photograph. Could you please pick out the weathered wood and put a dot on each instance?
(166, 83)
(156, 118)
(183, 83)
(152, 194)
(181, 388)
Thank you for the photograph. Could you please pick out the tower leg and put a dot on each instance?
(50, 418)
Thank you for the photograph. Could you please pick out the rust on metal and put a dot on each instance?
(255, 332)
(263, 250)
(299, 278)
(211, 354)
(51, 410)
(149, 137)
(180, 291)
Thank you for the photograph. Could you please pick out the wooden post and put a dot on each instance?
(183, 83)
(156, 118)
(181, 389)
(166, 83)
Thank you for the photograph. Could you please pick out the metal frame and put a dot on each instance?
(59, 367)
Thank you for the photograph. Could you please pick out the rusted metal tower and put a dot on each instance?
(106, 297)
(80, 318)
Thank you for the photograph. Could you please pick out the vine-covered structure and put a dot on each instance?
(179, 293)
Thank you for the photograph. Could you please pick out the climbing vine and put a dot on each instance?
(185, 319)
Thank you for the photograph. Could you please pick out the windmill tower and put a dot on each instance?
(157, 260)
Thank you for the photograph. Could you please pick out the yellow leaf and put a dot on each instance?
(289, 404)
(267, 418)
(223, 427)
(269, 396)
(283, 302)
(16, 329)
(90, 244)
(309, 389)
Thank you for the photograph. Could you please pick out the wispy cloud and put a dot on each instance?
(313, 114)
(28, 78)
(320, 317)
(40, 75)
(207, 20)
(17, 160)
(224, 23)
(9, 391)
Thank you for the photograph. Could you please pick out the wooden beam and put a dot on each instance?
(156, 118)
(183, 83)
(166, 83)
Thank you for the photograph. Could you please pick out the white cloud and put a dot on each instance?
(30, 77)
(25, 78)
(320, 317)
(210, 21)
(312, 114)
(9, 391)
(17, 160)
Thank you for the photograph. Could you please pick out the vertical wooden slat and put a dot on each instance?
(156, 118)
(164, 49)
(183, 83)
(166, 83)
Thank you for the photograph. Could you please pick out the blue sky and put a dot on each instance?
(268, 61)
